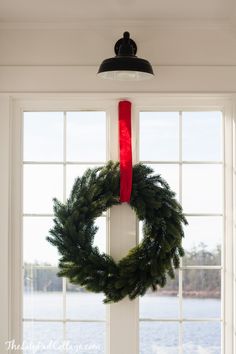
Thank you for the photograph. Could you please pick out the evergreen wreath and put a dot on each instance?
(146, 265)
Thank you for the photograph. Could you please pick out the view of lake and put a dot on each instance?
(156, 337)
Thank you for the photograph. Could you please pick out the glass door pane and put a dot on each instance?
(186, 149)
(58, 147)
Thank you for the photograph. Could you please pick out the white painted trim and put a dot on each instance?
(5, 190)
(234, 222)
(71, 101)
(16, 247)
(64, 321)
(123, 316)
(154, 24)
(72, 79)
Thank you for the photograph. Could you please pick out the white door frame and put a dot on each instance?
(11, 109)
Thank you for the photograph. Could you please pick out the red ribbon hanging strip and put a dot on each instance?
(125, 150)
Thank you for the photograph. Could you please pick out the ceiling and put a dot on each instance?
(75, 10)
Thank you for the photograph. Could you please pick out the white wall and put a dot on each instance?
(187, 57)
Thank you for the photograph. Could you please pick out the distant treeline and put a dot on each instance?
(203, 283)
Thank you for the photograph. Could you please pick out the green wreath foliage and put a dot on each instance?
(146, 265)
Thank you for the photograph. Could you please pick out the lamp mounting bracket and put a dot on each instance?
(120, 42)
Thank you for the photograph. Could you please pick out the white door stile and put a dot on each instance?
(234, 224)
(16, 228)
(5, 133)
(122, 331)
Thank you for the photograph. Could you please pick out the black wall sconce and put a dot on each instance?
(125, 65)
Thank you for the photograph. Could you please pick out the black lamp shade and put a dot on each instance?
(125, 65)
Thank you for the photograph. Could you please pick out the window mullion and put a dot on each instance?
(64, 281)
(181, 261)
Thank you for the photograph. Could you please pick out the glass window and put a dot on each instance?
(186, 149)
(43, 136)
(170, 173)
(42, 183)
(58, 147)
(203, 240)
(43, 337)
(199, 335)
(204, 131)
(159, 136)
(86, 136)
(202, 188)
(190, 143)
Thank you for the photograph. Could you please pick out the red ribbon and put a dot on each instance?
(125, 150)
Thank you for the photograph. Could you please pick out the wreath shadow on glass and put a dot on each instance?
(145, 266)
